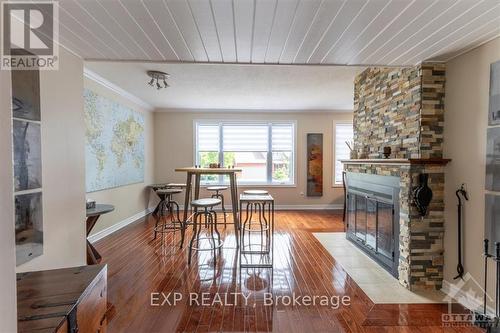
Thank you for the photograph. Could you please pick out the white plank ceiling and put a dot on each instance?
(343, 32)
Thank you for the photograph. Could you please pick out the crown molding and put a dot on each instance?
(113, 87)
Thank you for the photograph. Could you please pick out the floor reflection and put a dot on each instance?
(219, 296)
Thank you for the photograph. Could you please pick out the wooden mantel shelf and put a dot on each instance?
(399, 161)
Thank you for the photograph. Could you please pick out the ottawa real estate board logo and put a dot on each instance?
(30, 35)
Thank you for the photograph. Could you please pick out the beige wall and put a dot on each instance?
(467, 89)
(63, 166)
(8, 320)
(131, 199)
(174, 148)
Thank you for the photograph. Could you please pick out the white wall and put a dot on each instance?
(467, 90)
(8, 317)
(63, 166)
(132, 199)
(174, 148)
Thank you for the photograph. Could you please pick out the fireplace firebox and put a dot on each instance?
(372, 217)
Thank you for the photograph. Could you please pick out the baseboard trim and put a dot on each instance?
(117, 226)
(294, 207)
(310, 207)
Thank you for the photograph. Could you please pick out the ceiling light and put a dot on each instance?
(157, 76)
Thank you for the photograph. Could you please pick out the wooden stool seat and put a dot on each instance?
(217, 188)
(176, 185)
(210, 220)
(206, 202)
(157, 186)
(167, 191)
(256, 192)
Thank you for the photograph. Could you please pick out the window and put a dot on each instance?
(264, 151)
(343, 133)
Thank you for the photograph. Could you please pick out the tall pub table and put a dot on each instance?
(93, 214)
(197, 173)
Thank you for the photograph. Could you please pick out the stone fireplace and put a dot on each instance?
(403, 109)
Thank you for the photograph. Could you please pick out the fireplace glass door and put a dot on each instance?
(385, 230)
(372, 217)
(370, 223)
(351, 211)
(361, 218)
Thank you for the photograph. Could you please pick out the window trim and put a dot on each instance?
(269, 123)
(334, 148)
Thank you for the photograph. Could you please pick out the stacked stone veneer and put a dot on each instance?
(404, 108)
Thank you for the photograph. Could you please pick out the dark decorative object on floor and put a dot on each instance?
(422, 195)
(460, 192)
(387, 152)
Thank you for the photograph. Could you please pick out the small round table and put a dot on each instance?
(93, 214)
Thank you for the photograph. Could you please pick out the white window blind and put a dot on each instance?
(244, 137)
(264, 151)
(208, 137)
(282, 136)
(343, 133)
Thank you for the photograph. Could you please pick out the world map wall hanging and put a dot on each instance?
(114, 143)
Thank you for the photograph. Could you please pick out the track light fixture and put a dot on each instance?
(157, 77)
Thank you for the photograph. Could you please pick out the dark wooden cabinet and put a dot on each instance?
(63, 300)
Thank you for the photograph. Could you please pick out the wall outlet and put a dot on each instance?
(301, 194)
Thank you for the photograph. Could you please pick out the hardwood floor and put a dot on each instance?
(301, 267)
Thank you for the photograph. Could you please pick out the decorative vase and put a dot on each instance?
(422, 195)
(353, 155)
(387, 152)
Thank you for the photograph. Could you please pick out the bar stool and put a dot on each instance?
(210, 219)
(260, 253)
(166, 208)
(255, 205)
(219, 195)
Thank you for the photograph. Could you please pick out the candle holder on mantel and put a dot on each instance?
(387, 152)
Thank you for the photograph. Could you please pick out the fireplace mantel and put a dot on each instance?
(399, 161)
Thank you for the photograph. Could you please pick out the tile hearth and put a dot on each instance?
(379, 285)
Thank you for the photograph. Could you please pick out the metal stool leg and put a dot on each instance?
(195, 227)
(223, 208)
(218, 195)
(209, 217)
(216, 230)
(158, 213)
